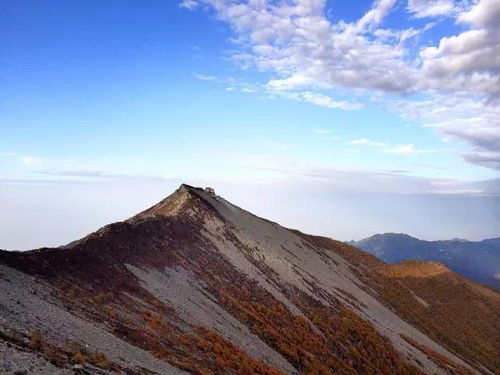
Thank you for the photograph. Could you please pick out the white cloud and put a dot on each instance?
(320, 100)
(231, 84)
(100, 174)
(469, 61)
(321, 131)
(367, 142)
(375, 15)
(305, 50)
(408, 149)
(460, 118)
(326, 101)
(431, 8)
(314, 60)
(203, 77)
(300, 45)
(486, 13)
(189, 4)
(290, 83)
(248, 90)
(375, 181)
(484, 158)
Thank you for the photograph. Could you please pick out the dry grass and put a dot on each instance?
(449, 366)
(461, 315)
(414, 268)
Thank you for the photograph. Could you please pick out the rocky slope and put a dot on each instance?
(197, 285)
(476, 260)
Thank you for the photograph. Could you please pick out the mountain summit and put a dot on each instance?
(183, 200)
(198, 285)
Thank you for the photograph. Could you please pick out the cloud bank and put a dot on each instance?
(452, 86)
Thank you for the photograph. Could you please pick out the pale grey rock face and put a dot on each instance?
(196, 307)
(28, 304)
(14, 361)
(299, 264)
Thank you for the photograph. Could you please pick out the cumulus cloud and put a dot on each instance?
(460, 118)
(470, 60)
(431, 8)
(297, 42)
(485, 14)
(312, 60)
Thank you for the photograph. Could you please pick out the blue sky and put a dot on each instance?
(103, 101)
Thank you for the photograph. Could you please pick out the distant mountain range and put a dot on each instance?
(476, 260)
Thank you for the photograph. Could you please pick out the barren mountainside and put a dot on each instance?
(197, 285)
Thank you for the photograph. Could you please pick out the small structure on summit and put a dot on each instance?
(210, 190)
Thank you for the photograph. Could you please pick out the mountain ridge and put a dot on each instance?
(195, 283)
(477, 260)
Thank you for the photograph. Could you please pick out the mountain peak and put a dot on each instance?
(251, 297)
(385, 236)
(477, 260)
(416, 268)
(183, 200)
(394, 235)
